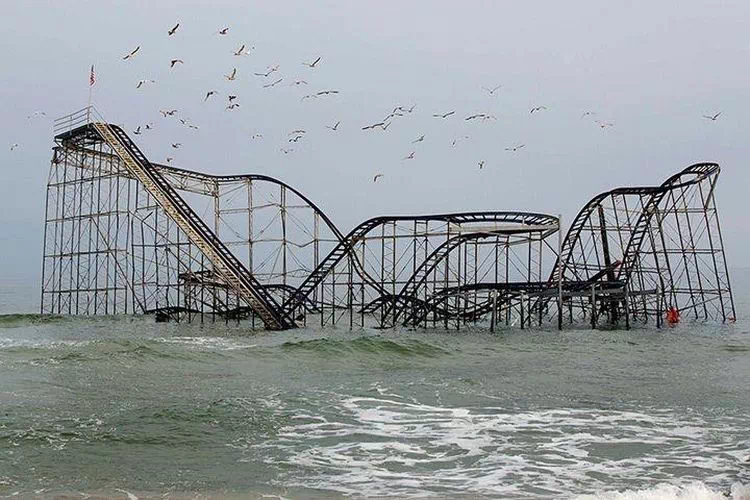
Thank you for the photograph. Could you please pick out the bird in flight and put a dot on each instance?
(375, 125)
(132, 53)
(175, 61)
(137, 131)
(149, 126)
(483, 116)
(538, 108)
(713, 117)
(223, 31)
(287, 151)
(309, 96)
(455, 141)
(298, 82)
(605, 124)
(13, 146)
(209, 94)
(444, 115)
(36, 114)
(173, 30)
(176, 145)
(141, 83)
(327, 92)
(231, 98)
(171, 112)
(256, 136)
(296, 138)
(233, 106)
(169, 159)
(481, 164)
(376, 177)
(232, 76)
(297, 132)
(418, 139)
(515, 148)
(335, 126)
(587, 113)
(271, 69)
(312, 64)
(242, 51)
(410, 156)
(272, 84)
(491, 91)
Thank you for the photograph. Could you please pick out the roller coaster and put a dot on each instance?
(124, 235)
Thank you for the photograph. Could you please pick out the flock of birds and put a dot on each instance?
(272, 78)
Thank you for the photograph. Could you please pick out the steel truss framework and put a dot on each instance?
(127, 236)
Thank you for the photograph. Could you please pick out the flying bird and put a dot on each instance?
(444, 115)
(515, 148)
(141, 83)
(287, 151)
(538, 108)
(223, 31)
(13, 146)
(297, 132)
(327, 92)
(296, 138)
(377, 176)
(232, 76)
(241, 51)
(171, 112)
(173, 30)
(375, 125)
(713, 117)
(605, 124)
(132, 53)
(455, 141)
(410, 156)
(492, 91)
(483, 116)
(231, 98)
(149, 126)
(418, 139)
(481, 164)
(587, 113)
(232, 106)
(335, 127)
(176, 145)
(175, 61)
(271, 69)
(312, 64)
(268, 85)
(137, 131)
(298, 82)
(309, 96)
(169, 159)
(256, 136)
(36, 114)
(209, 94)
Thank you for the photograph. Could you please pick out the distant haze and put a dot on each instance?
(652, 69)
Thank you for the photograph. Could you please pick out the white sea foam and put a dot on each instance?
(384, 445)
(217, 343)
(692, 491)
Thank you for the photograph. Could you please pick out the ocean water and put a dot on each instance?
(124, 407)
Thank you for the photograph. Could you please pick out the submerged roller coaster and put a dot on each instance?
(124, 235)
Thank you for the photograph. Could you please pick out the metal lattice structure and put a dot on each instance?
(127, 236)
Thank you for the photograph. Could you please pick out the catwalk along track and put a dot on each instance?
(124, 235)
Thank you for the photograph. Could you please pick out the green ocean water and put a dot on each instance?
(116, 406)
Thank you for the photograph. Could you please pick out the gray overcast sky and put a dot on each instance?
(651, 68)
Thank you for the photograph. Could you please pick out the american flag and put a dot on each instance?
(92, 78)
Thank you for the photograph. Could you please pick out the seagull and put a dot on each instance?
(241, 51)
(327, 92)
(455, 141)
(13, 146)
(605, 124)
(309, 96)
(209, 94)
(175, 61)
(173, 30)
(492, 91)
(232, 75)
(483, 116)
(141, 83)
(410, 156)
(377, 176)
(418, 139)
(298, 82)
(515, 148)
(149, 126)
(169, 159)
(256, 136)
(714, 117)
(137, 131)
(296, 138)
(176, 145)
(287, 151)
(223, 31)
(444, 115)
(36, 113)
(171, 112)
(374, 125)
(231, 98)
(132, 53)
(312, 64)
(271, 69)
(335, 127)
(538, 108)
(587, 113)
(232, 106)
(297, 132)
(481, 164)
(268, 85)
